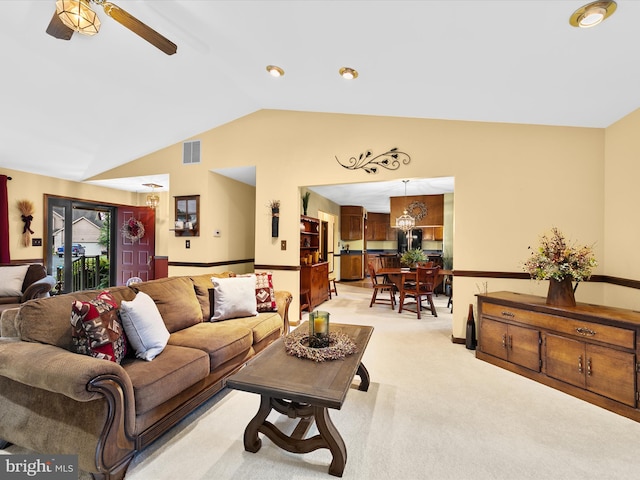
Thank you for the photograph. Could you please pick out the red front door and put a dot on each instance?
(135, 256)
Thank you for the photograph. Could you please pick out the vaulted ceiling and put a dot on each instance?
(72, 109)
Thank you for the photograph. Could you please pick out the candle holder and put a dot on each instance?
(319, 329)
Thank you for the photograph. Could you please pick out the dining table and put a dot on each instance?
(399, 276)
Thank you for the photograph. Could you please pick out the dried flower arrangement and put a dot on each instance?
(556, 259)
(27, 210)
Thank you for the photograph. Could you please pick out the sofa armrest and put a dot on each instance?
(54, 369)
(8, 322)
(38, 288)
(283, 300)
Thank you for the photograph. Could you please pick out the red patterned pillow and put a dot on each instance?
(265, 295)
(97, 330)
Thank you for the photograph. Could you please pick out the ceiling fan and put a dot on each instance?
(77, 16)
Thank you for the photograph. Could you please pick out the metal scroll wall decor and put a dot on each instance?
(391, 160)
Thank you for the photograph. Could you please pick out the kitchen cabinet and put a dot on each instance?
(588, 351)
(351, 267)
(378, 228)
(433, 233)
(352, 223)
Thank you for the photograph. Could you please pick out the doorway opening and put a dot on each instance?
(79, 244)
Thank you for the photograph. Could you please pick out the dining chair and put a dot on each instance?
(425, 281)
(380, 287)
(429, 264)
(388, 260)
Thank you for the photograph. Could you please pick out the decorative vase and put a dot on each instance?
(471, 330)
(561, 293)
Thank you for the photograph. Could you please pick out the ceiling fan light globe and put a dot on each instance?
(78, 16)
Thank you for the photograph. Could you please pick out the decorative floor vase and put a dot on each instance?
(561, 293)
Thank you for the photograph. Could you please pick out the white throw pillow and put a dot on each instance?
(234, 297)
(11, 280)
(144, 326)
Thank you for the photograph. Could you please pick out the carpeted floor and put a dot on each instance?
(432, 411)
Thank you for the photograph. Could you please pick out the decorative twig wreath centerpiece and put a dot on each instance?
(340, 345)
(132, 229)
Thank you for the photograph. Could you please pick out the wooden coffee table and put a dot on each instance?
(304, 389)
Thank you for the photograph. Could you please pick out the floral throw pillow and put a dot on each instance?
(97, 330)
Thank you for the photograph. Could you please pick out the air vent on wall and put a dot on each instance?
(191, 152)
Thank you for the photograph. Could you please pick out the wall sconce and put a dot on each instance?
(275, 217)
(153, 200)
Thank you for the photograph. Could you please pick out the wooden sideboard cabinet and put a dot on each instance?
(315, 278)
(588, 351)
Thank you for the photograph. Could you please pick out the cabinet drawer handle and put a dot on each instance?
(504, 340)
(580, 364)
(589, 367)
(585, 332)
(508, 314)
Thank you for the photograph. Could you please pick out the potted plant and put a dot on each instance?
(305, 202)
(412, 256)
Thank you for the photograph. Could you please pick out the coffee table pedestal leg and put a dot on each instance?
(328, 437)
(363, 373)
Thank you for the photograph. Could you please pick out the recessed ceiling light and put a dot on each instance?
(348, 73)
(592, 14)
(275, 71)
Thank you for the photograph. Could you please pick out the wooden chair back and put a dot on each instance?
(426, 279)
(389, 261)
(372, 273)
(428, 264)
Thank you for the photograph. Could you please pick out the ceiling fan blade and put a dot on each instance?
(58, 29)
(139, 28)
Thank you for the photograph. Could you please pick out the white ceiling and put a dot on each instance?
(73, 109)
(374, 196)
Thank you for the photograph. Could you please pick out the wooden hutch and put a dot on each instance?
(314, 272)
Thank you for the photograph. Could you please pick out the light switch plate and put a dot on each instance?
(36, 242)
(283, 244)
(187, 244)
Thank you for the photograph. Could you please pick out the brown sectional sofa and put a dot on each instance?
(55, 401)
(36, 284)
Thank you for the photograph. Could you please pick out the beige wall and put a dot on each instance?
(512, 183)
(622, 197)
(26, 186)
